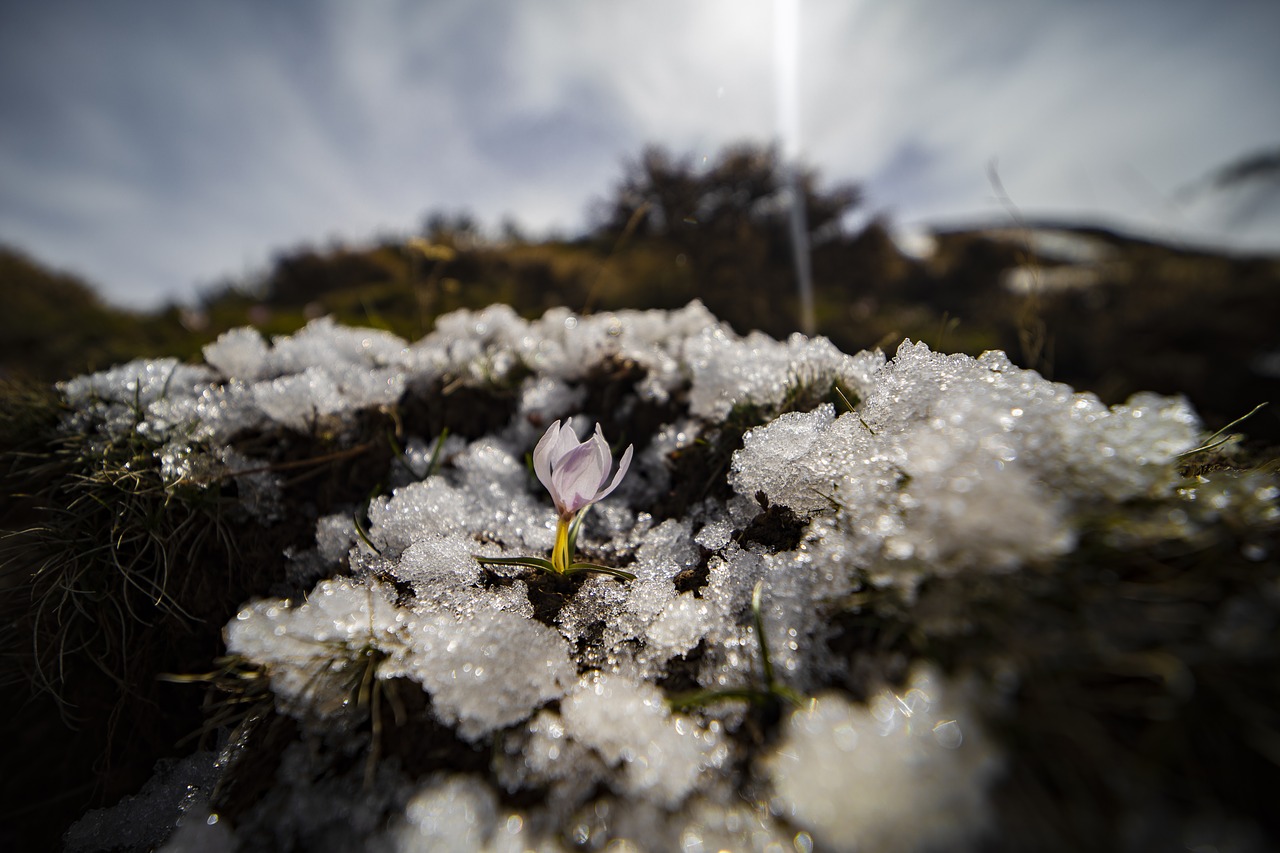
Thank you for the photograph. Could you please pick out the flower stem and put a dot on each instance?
(560, 556)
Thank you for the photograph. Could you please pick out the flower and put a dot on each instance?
(575, 472)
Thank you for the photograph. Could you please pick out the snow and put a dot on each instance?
(661, 756)
(314, 653)
(728, 370)
(485, 672)
(957, 464)
(240, 353)
(948, 465)
(454, 814)
(908, 771)
(176, 792)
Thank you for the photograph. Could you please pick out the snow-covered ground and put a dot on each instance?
(946, 466)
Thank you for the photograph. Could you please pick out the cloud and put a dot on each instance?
(153, 146)
(1076, 104)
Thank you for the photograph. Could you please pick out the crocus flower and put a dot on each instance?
(575, 473)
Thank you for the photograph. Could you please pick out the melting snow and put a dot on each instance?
(948, 464)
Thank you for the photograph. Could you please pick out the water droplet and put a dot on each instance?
(948, 735)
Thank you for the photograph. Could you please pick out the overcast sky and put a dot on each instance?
(154, 146)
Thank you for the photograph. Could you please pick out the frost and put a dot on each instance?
(324, 370)
(439, 567)
(656, 757)
(324, 343)
(487, 671)
(677, 628)
(117, 401)
(461, 814)
(544, 399)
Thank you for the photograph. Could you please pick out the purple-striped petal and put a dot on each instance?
(574, 479)
(606, 458)
(543, 453)
(623, 465)
(575, 472)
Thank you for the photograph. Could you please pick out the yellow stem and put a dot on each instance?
(560, 555)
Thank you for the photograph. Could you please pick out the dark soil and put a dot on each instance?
(777, 529)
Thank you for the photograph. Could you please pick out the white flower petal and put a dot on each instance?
(622, 472)
(543, 453)
(576, 479)
(575, 472)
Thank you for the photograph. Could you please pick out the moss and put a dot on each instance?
(112, 576)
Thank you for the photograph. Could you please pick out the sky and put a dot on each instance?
(157, 147)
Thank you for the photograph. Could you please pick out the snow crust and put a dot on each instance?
(953, 463)
(908, 771)
(947, 465)
(314, 653)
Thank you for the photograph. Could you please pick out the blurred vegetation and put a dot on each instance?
(1133, 315)
(55, 326)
